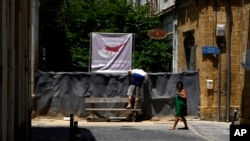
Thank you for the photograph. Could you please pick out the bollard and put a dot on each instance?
(71, 128)
(77, 136)
(234, 117)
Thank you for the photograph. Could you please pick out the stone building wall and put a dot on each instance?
(245, 41)
(201, 20)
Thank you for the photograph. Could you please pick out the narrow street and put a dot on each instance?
(58, 130)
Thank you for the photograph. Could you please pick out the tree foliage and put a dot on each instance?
(79, 18)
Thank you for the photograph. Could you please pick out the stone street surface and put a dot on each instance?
(58, 130)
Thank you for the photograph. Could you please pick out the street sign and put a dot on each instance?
(157, 33)
(210, 50)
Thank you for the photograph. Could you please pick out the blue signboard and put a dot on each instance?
(210, 50)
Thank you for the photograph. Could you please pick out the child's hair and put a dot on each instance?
(179, 83)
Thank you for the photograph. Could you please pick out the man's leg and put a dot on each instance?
(131, 89)
(136, 103)
(129, 101)
(137, 97)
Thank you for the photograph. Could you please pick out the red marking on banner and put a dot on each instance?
(113, 49)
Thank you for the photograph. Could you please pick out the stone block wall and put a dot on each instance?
(202, 20)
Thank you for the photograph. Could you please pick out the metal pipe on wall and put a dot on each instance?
(228, 12)
(35, 4)
(33, 44)
(219, 67)
(175, 47)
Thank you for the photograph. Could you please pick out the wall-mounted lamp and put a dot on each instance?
(220, 35)
(220, 30)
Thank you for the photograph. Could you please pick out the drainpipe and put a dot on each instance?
(219, 81)
(34, 45)
(175, 48)
(219, 66)
(228, 11)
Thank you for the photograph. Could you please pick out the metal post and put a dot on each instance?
(71, 128)
(234, 117)
(77, 136)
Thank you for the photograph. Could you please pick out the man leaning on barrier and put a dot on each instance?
(138, 76)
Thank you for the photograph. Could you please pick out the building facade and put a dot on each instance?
(212, 39)
(16, 67)
(165, 9)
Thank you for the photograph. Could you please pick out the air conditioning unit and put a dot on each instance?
(220, 30)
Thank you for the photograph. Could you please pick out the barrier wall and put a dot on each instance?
(62, 93)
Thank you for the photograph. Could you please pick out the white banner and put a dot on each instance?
(111, 52)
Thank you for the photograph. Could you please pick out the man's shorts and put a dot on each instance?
(134, 91)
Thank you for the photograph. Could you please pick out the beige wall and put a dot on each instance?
(202, 19)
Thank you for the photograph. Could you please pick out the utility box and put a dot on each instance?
(210, 84)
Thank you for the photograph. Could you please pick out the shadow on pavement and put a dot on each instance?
(58, 134)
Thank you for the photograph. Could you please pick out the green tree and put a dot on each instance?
(79, 18)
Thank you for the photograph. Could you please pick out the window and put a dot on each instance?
(138, 2)
(154, 6)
